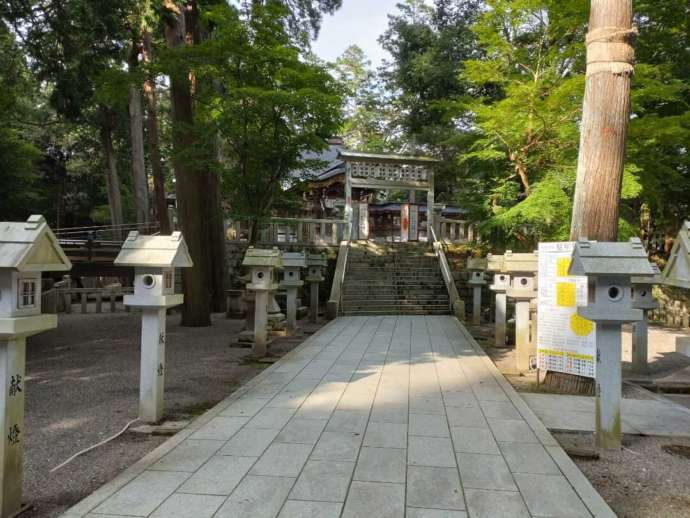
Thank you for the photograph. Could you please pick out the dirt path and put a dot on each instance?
(82, 386)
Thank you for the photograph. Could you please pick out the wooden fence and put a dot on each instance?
(62, 295)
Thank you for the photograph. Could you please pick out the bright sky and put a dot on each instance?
(358, 22)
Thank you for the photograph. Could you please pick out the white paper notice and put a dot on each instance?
(566, 342)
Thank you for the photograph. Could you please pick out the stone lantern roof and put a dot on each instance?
(677, 271)
(31, 246)
(154, 251)
(594, 258)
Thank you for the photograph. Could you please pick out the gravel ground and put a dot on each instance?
(641, 480)
(83, 386)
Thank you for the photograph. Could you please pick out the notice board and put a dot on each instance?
(566, 342)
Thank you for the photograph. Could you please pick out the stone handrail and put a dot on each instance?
(456, 302)
(309, 231)
(333, 303)
(455, 230)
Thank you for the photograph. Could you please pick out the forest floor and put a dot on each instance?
(650, 475)
(83, 387)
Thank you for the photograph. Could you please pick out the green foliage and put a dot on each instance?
(545, 212)
(505, 110)
(367, 114)
(267, 107)
(526, 102)
(18, 156)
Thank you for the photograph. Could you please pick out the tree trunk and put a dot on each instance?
(136, 138)
(605, 114)
(191, 183)
(161, 204)
(112, 178)
(214, 217)
(216, 243)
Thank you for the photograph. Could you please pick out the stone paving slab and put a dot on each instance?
(658, 416)
(372, 416)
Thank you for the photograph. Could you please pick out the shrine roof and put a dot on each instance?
(362, 156)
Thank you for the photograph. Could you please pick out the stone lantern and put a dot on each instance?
(677, 273)
(155, 259)
(610, 269)
(262, 264)
(477, 267)
(501, 282)
(677, 270)
(642, 298)
(293, 262)
(26, 249)
(316, 263)
(522, 269)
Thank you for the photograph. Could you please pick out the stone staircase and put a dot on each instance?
(393, 279)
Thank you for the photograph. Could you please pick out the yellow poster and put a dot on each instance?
(565, 341)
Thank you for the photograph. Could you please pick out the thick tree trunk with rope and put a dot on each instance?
(605, 115)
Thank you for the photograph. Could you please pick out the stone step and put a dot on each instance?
(398, 311)
(393, 284)
(391, 307)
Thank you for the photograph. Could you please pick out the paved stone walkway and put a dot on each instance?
(659, 416)
(371, 417)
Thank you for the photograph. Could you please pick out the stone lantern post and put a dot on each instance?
(610, 268)
(293, 262)
(677, 273)
(155, 259)
(26, 250)
(315, 270)
(522, 269)
(500, 284)
(477, 267)
(642, 298)
(262, 264)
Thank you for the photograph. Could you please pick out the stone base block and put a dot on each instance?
(683, 345)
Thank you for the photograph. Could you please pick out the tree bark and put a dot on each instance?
(216, 242)
(153, 141)
(112, 178)
(136, 138)
(605, 114)
(191, 182)
(214, 217)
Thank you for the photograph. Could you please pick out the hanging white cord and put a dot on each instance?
(95, 446)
